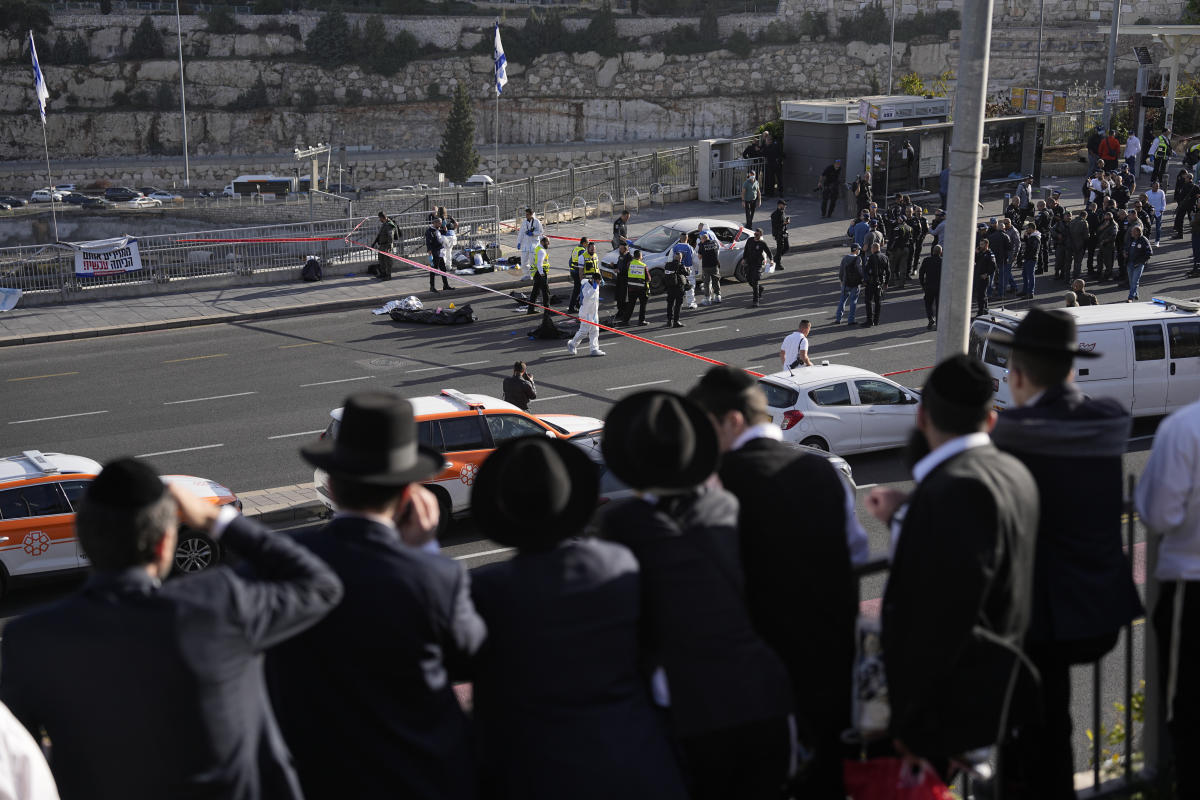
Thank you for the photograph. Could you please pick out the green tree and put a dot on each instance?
(60, 53)
(1191, 12)
(331, 42)
(709, 27)
(739, 43)
(80, 52)
(268, 7)
(601, 33)
(221, 20)
(147, 41)
(911, 83)
(22, 16)
(458, 158)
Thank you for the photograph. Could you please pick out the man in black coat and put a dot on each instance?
(830, 183)
(875, 277)
(154, 690)
(958, 599)
(985, 270)
(1083, 589)
(365, 698)
(727, 691)
(779, 232)
(793, 562)
(930, 277)
(755, 254)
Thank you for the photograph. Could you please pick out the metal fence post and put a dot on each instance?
(529, 195)
(571, 180)
(655, 177)
(617, 180)
(694, 167)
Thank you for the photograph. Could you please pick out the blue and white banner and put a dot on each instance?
(39, 80)
(501, 62)
(102, 257)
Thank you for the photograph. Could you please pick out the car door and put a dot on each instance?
(1150, 370)
(75, 490)
(40, 529)
(833, 416)
(888, 413)
(465, 443)
(1183, 366)
(505, 427)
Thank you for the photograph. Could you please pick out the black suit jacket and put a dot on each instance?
(562, 708)
(155, 691)
(365, 698)
(799, 588)
(697, 628)
(962, 571)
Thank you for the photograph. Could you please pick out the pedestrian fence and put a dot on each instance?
(1122, 766)
(727, 177)
(1073, 127)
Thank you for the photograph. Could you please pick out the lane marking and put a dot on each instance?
(61, 416)
(468, 364)
(304, 344)
(754, 366)
(301, 433)
(556, 397)
(423, 369)
(902, 344)
(202, 399)
(485, 553)
(636, 385)
(180, 450)
(808, 314)
(834, 355)
(342, 380)
(195, 358)
(694, 330)
(39, 377)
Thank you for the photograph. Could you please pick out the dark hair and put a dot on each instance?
(381, 214)
(518, 367)
(804, 322)
(352, 495)
(1044, 370)
(118, 538)
(951, 418)
(725, 389)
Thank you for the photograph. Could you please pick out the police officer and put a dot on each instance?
(710, 277)
(920, 231)
(635, 288)
(623, 259)
(900, 249)
(620, 229)
(675, 278)
(779, 232)
(754, 255)
(875, 277)
(383, 242)
(540, 270)
(985, 268)
(1043, 219)
(573, 265)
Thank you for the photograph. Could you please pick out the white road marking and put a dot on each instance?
(342, 380)
(485, 553)
(61, 416)
(556, 397)
(468, 364)
(301, 433)
(636, 385)
(694, 330)
(202, 399)
(902, 344)
(180, 450)
(792, 316)
(423, 369)
(754, 366)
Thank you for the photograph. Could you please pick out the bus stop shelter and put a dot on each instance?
(1176, 38)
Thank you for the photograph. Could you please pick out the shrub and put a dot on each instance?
(139, 99)
(382, 55)
(307, 99)
(60, 51)
(80, 53)
(869, 24)
(268, 7)
(685, 39)
(254, 97)
(120, 99)
(911, 83)
(221, 20)
(330, 43)
(601, 33)
(813, 24)
(739, 43)
(458, 158)
(105, 6)
(277, 26)
(932, 23)
(22, 16)
(147, 41)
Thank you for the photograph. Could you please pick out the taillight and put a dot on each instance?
(790, 418)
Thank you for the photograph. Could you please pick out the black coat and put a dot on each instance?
(1073, 444)
(697, 628)
(560, 704)
(155, 691)
(930, 275)
(962, 571)
(365, 698)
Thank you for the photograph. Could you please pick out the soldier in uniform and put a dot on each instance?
(1043, 219)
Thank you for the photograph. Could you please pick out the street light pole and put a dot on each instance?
(187, 170)
(1041, 26)
(892, 48)
(1109, 74)
(966, 153)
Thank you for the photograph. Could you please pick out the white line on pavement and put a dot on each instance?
(694, 330)
(832, 355)
(754, 366)
(180, 450)
(468, 364)
(484, 553)
(792, 316)
(556, 397)
(61, 416)
(301, 433)
(636, 385)
(902, 344)
(342, 380)
(423, 369)
(201, 399)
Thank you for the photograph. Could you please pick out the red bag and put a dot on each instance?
(879, 779)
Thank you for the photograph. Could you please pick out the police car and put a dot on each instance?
(38, 496)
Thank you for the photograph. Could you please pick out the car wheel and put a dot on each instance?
(739, 270)
(195, 551)
(656, 281)
(817, 442)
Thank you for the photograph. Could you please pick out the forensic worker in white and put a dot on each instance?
(794, 352)
(528, 237)
(589, 312)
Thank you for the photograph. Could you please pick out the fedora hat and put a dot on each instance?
(376, 443)
(659, 442)
(1049, 332)
(533, 492)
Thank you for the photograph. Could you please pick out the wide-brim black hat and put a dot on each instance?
(1050, 332)
(659, 442)
(533, 492)
(375, 444)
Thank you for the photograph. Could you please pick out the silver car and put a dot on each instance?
(656, 244)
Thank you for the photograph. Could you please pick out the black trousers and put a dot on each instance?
(828, 202)
(709, 283)
(1044, 255)
(1184, 725)
(576, 291)
(746, 762)
(931, 306)
(383, 270)
(873, 302)
(674, 303)
(750, 208)
(781, 246)
(753, 276)
(1106, 260)
(438, 263)
(1180, 216)
(541, 286)
(637, 296)
(774, 184)
(1160, 170)
(979, 294)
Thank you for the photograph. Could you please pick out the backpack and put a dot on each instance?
(312, 270)
(854, 275)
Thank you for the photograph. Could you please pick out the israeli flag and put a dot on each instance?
(39, 80)
(501, 63)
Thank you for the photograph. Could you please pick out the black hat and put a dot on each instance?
(375, 444)
(659, 442)
(1051, 332)
(958, 394)
(126, 483)
(533, 492)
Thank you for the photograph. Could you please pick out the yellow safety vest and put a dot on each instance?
(637, 272)
(591, 264)
(541, 261)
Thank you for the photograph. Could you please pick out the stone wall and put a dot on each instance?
(1004, 12)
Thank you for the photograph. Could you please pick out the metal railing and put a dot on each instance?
(1072, 128)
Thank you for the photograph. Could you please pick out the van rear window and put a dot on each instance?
(1148, 342)
(1185, 339)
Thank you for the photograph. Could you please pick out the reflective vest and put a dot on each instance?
(541, 261)
(577, 255)
(637, 272)
(1164, 147)
(591, 264)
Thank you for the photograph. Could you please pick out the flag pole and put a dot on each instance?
(43, 96)
(50, 180)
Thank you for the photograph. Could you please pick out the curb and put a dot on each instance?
(308, 509)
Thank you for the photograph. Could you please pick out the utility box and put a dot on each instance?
(721, 168)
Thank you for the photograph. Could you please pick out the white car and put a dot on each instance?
(46, 196)
(144, 202)
(840, 408)
(656, 244)
(165, 197)
(478, 180)
(65, 188)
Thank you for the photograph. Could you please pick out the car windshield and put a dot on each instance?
(657, 240)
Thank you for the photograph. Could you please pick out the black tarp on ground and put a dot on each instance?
(447, 316)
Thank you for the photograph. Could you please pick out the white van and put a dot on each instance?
(1150, 353)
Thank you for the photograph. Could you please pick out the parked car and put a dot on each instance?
(75, 198)
(65, 188)
(46, 196)
(144, 202)
(656, 243)
(478, 180)
(96, 202)
(840, 408)
(13, 202)
(5, 206)
(166, 197)
(120, 193)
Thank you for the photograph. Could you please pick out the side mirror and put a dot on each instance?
(551, 434)
(912, 399)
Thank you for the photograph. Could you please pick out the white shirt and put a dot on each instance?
(1168, 494)
(541, 262)
(794, 344)
(1158, 201)
(530, 234)
(1133, 147)
(921, 470)
(24, 774)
